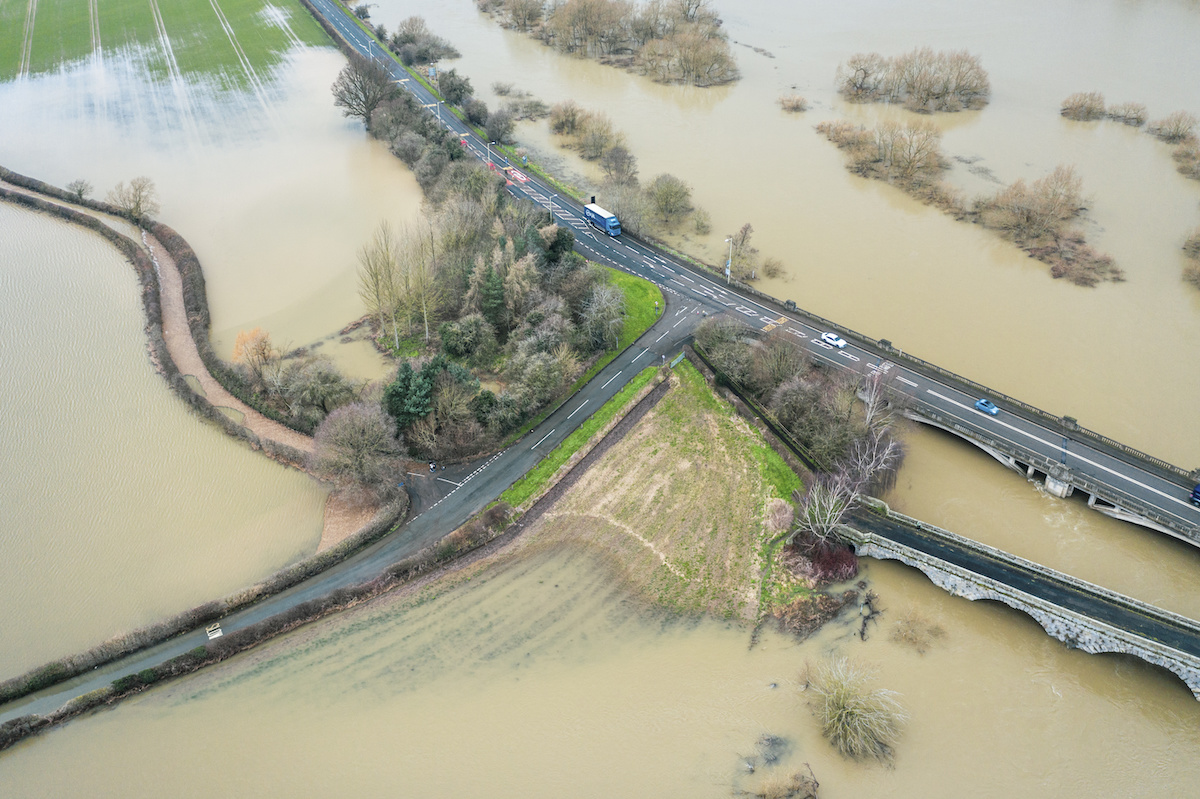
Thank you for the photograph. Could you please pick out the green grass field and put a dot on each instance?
(232, 40)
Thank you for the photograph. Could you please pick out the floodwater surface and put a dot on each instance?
(543, 678)
(121, 506)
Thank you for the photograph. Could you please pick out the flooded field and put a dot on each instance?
(543, 678)
(120, 506)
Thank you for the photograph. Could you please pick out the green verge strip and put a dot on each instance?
(537, 477)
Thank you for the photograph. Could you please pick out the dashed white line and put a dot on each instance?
(1076, 455)
(614, 377)
(906, 380)
(543, 438)
(577, 410)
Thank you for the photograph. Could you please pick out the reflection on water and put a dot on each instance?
(120, 506)
(542, 679)
(275, 203)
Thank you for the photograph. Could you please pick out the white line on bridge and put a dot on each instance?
(577, 410)
(1076, 455)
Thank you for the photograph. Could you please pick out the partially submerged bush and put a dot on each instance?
(923, 80)
(793, 103)
(1128, 114)
(1174, 128)
(916, 631)
(1083, 106)
(861, 722)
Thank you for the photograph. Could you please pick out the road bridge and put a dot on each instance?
(1082, 615)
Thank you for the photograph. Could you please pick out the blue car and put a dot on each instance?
(987, 406)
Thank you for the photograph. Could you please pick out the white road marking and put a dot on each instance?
(614, 377)
(577, 410)
(543, 438)
(643, 352)
(906, 380)
(688, 279)
(451, 482)
(660, 338)
(845, 354)
(1057, 445)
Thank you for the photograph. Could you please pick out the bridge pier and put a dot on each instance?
(1058, 482)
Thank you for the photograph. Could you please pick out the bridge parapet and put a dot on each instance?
(1131, 508)
(1074, 629)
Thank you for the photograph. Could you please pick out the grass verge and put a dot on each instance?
(533, 481)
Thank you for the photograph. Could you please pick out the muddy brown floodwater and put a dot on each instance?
(543, 679)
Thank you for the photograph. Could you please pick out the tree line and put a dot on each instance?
(671, 41)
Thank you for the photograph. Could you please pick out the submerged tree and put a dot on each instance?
(138, 200)
(361, 87)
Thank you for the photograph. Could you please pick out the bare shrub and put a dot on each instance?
(1030, 211)
(807, 614)
(1083, 106)
(793, 103)
(779, 515)
(916, 631)
(502, 89)
(923, 80)
(1174, 128)
(1128, 114)
(798, 786)
(1187, 158)
(861, 722)
(565, 117)
(1191, 275)
(1191, 247)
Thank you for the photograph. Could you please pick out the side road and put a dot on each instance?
(443, 501)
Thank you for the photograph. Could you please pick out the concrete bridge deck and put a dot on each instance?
(1082, 615)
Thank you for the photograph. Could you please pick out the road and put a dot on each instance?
(704, 293)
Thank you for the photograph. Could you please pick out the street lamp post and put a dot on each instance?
(729, 263)
(489, 151)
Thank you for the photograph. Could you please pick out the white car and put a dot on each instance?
(834, 340)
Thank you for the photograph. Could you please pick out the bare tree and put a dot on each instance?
(619, 165)
(80, 189)
(254, 350)
(604, 316)
(524, 13)
(361, 87)
(139, 199)
(822, 508)
(377, 266)
(355, 448)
